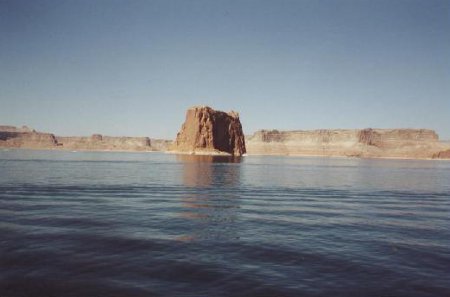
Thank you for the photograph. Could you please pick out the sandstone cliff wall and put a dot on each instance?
(201, 135)
(25, 137)
(442, 155)
(27, 140)
(100, 142)
(206, 130)
(399, 143)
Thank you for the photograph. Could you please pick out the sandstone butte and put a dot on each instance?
(208, 131)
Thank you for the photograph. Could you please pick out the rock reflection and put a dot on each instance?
(211, 204)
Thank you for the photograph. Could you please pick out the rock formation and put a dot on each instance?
(100, 142)
(207, 131)
(395, 143)
(442, 155)
(12, 137)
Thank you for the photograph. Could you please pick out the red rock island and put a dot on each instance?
(208, 131)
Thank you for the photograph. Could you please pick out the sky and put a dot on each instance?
(133, 67)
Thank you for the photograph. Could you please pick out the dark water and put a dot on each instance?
(129, 224)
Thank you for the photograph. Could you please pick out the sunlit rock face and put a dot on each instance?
(25, 137)
(390, 143)
(102, 142)
(442, 155)
(208, 131)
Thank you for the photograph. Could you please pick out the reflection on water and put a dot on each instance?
(149, 224)
(208, 171)
(208, 158)
(213, 204)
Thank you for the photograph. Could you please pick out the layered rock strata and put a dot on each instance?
(390, 143)
(12, 137)
(208, 131)
(212, 132)
(442, 155)
(100, 142)
(27, 140)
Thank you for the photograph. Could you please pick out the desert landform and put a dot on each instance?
(211, 132)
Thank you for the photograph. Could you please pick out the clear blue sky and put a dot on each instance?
(134, 67)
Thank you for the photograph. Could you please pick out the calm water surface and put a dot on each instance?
(150, 224)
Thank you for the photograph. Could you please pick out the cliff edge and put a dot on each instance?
(366, 143)
(105, 143)
(24, 137)
(442, 155)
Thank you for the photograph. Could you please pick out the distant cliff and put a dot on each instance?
(27, 140)
(100, 142)
(442, 154)
(11, 136)
(25, 137)
(395, 143)
(200, 135)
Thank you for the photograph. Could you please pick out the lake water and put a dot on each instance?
(151, 224)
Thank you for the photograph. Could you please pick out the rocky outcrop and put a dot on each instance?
(442, 155)
(100, 142)
(27, 140)
(395, 143)
(207, 131)
(394, 138)
(12, 137)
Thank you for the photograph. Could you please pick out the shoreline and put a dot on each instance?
(218, 154)
(346, 157)
(78, 150)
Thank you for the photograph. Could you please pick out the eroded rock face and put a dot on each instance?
(101, 142)
(442, 155)
(13, 137)
(24, 137)
(209, 131)
(395, 143)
